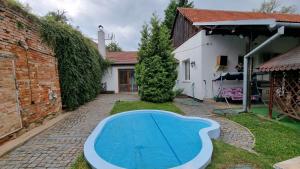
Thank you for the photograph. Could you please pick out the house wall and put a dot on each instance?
(204, 50)
(279, 46)
(111, 77)
(183, 30)
(34, 71)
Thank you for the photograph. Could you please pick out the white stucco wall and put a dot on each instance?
(111, 77)
(191, 49)
(204, 50)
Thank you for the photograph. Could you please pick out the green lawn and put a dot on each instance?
(122, 106)
(274, 142)
(264, 111)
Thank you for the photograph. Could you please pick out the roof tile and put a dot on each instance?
(204, 15)
(129, 57)
(284, 62)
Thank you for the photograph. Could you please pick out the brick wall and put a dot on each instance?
(36, 74)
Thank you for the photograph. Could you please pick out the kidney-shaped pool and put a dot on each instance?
(151, 139)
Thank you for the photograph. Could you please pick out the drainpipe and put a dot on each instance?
(246, 65)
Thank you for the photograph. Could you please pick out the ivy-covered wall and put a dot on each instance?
(80, 65)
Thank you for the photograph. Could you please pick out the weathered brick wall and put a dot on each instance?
(35, 66)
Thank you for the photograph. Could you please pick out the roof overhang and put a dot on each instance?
(252, 22)
(246, 27)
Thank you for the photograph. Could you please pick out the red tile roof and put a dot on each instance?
(287, 61)
(123, 57)
(204, 15)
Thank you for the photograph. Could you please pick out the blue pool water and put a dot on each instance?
(149, 140)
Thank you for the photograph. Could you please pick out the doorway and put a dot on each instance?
(127, 81)
(10, 118)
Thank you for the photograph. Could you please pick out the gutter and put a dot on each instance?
(246, 65)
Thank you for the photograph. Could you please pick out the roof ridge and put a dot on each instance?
(220, 10)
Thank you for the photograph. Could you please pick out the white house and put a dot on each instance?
(211, 43)
(119, 77)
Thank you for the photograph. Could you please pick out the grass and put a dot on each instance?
(274, 142)
(264, 111)
(80, 163)
(122, 106)
(227, 156)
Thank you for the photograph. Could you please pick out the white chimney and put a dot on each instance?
(101, 42)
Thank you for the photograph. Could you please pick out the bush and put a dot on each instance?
(156, 71)
(79, 63)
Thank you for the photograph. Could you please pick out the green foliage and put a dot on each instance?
(80, 65)
(58, 16)
(178, 92)
(80, 163)
(156, 71)
(19, 7)
(170, 12)
(113, 47)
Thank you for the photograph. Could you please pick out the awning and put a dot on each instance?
(230, 76)
(284, 62)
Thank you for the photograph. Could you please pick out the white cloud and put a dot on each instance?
(125, 18)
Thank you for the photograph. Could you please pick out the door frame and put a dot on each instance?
(123, 69)
(12, 57)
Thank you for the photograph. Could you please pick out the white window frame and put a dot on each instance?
(187, 69)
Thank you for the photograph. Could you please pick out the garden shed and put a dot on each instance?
(285, 83)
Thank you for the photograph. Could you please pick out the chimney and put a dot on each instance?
(101, 42)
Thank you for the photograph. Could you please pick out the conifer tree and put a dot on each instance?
(156, 71)
(170, 11)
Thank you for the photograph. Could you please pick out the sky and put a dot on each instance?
(124, 18)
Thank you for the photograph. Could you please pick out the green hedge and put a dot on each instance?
(79, 63)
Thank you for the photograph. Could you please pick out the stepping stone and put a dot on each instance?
(242, 166)
(293, 163)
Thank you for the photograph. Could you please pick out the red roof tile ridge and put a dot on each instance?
(236, 11)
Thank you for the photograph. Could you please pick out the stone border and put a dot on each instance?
(254, 139)
(10, 145)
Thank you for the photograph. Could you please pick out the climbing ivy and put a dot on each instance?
(79, 63)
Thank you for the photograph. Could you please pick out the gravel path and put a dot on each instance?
(59, 146)
(231, 132)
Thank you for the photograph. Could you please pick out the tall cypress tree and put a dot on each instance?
(170, 11)
(156, 71)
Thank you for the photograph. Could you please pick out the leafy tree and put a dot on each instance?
(170, 12)
(113, 47)
(58, 16)
(274, 6)
(156, 71)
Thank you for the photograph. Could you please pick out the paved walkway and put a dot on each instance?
(231, 132)
(59, 146)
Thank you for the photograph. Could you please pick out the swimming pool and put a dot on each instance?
(151, 139)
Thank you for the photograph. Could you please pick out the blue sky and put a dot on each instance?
(125, 18)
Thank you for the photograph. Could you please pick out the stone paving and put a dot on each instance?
(231, 132)
(59, 146)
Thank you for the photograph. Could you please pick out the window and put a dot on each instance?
(187, 64)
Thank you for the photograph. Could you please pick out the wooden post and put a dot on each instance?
(271, 95)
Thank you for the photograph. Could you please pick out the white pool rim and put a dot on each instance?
(200, 161)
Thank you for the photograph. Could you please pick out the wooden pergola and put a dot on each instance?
(284, 83)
